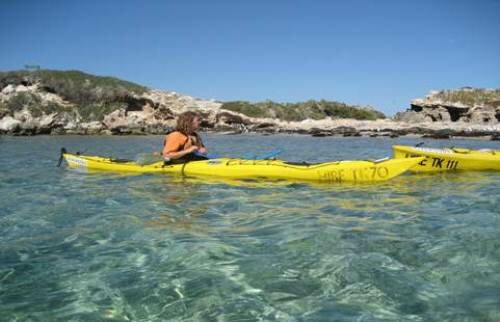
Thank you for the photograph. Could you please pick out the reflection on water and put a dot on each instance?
(90, 247)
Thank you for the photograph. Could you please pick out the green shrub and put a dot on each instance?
(246, 108)
(22, 100)
(468, 96)
(97, 112)
(4, 110)
(92, 96)
(31, 102)
(52, 107)
(300, 111)
(74, 86)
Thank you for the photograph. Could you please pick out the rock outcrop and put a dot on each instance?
(469, 105)
(86, 104)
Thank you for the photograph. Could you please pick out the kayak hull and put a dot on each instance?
(449, 159)
(329, 172)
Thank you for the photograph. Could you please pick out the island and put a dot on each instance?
(55, 102)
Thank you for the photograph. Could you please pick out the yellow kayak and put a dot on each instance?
(447, 159)
(329, 172)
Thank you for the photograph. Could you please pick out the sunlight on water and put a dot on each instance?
(89, 247)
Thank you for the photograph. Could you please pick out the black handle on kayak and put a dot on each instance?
(61, 156)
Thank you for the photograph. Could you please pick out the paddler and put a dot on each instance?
(184, 144)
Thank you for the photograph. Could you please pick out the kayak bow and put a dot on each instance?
(447, 159)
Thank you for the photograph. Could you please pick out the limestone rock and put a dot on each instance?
(410, 117)
(231, 118)
(9, 89)
(21, 88)
(482, 115)
(446, 106)
(9, 124)
(437, 114)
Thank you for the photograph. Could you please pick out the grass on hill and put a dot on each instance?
(469, 96)
(311, 109)
(93, 96)
(74, 86)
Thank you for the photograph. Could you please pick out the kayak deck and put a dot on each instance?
(448, 159)
(330, 172)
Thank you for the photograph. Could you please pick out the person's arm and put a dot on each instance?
(202, 149)
(180, 154)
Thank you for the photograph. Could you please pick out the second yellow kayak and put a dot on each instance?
(447, 159)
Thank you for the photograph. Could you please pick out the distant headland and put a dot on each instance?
(37, 101)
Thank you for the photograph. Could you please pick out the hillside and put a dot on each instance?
(73, 102)
(50, 101)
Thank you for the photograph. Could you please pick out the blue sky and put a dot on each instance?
(379, 53)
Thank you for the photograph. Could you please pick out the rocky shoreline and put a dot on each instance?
(30, 107)
(323, 128)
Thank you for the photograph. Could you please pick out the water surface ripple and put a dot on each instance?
(111, 247)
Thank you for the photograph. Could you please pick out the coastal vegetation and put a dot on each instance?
(468, 96)
(311, 109)
(74, 86)
(92, 97)
(30, 101)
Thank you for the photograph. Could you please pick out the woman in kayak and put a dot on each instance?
(184, 144)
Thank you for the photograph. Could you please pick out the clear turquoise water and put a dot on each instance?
(92, 247)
